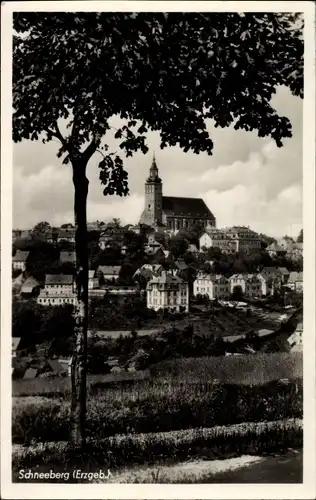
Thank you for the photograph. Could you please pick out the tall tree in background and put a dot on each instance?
(300, 237)
(73, 71)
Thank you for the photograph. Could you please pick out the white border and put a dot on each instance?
(306, 490)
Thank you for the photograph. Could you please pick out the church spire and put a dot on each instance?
(153, 172)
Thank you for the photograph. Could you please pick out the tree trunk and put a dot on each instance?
(79, 359)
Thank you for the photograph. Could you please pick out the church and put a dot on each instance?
(172, 212)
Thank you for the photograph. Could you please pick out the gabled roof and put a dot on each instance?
(166, 278)
(91, 273)
(21, 256)
(59, 279)
(192, 207)
(274, 247)
(67, 256)
(283, 270)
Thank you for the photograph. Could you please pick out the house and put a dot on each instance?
(149, 270)
(275, 250)
(179, 266)
(59, 289)
(111, 233)
(30, 287)
(19, 259)
(296, 339)
(16, 341)
(51, 236)
(271, 279)
(66, 235)
(214, 286)
(168, 292)
(93, 280)
(109, 272)
(67, 257)
(250, 284)
(295, 281)
(216, 238)
(284, 273)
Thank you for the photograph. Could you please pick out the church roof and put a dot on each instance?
(193, 207)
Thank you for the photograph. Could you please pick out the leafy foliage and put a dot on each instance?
(87, 67)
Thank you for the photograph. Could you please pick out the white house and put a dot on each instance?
(19, 259)
(168, 292)
(214, 286)
(250, 284)
(59, 289)
(216, 238)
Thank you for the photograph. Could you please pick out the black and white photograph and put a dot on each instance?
(158, 249)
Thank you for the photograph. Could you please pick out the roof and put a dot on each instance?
(113, 270)
(21, 255)
(29, 285)
(193, 207)
(56, 366)
(66, 233)
(283, 270)
(271, 270)
(181, 265)
(91, 273)
(59, 279)
(295, 276)
(67, 256)
(30, 373)
(15, 343)
(275, 248)
(166, 278)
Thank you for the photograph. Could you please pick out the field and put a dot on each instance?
(210, 408)
(243, 369)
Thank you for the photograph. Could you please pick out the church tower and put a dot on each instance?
(153, 196)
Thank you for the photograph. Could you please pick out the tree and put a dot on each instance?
(178, 246)
(42, 227)
(73, 71)
(300, 237)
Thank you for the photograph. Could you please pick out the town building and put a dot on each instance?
(275, 250)
(30, 288)
(65, 256)
(59, 289)
(66, 235)
(230, 239)
(93, 280)
(250, 284)
(213, 286)
(108, 272)
(216, 238)
(271, 278)
(174, 213)
(295, 281)
(168, 292)
(19, 259)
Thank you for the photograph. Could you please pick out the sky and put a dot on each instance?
(247, 181)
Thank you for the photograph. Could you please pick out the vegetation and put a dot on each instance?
(111, 76)
(157, 407)
(116, 451)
